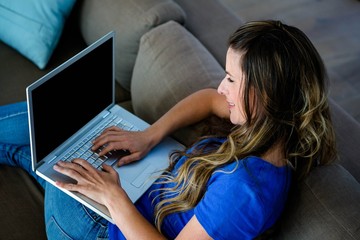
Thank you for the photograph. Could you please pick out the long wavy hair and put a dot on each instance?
(290, 108)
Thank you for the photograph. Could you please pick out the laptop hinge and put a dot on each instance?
(107, 113)
(40, 163)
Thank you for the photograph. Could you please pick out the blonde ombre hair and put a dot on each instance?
(290, 108)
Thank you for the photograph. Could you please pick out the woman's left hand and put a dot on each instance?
(95, 184)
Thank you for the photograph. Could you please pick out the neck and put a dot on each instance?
(275, 155)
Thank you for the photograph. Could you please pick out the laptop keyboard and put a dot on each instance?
(83, 148)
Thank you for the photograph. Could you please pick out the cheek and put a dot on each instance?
(241, 116)
(240, 110)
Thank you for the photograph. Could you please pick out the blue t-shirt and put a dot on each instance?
(242, 200)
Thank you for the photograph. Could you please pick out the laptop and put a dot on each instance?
(70, 106)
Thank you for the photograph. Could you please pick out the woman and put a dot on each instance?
(230, 186)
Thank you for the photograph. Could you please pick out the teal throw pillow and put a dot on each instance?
(33, 27)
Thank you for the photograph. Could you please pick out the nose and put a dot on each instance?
(221, 88)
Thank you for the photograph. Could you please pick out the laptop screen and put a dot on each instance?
(66, 101)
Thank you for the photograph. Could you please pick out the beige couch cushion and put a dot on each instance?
(166, 73)
(130, 20)
(171, 64)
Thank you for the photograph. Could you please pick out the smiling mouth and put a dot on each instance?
(231, 105)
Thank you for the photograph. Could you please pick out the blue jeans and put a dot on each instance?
(65, 218)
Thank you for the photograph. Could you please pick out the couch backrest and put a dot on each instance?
(130, 20)
(212, 23)
(347, 131)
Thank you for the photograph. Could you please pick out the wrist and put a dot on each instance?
(115, 198)
(155, 134)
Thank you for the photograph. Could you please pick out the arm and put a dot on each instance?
(190, 110)
(105, 188)
(134, 226)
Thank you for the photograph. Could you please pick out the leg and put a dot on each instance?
(18, 156)
(14, 138)
(14, 127)
(60, 210)
(66, 218)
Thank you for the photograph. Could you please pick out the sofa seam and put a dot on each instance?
(327, 209)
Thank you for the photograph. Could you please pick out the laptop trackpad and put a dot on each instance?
(144, 176)
(136, 173)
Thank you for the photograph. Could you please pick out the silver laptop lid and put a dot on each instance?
(79, 90)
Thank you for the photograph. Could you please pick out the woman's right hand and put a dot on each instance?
(137, 143)
(190, 110)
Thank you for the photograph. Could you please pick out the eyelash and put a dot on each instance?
(230, 80)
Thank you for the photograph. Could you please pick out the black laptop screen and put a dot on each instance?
(72, 97)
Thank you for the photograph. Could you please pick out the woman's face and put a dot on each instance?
(232, 87)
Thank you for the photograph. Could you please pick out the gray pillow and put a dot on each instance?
(327, 207)
(130, 20)
(171, 64)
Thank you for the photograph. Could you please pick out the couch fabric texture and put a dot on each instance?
(130, 20)
(163, 69)
(165, 50)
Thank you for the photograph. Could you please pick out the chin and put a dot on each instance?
(237, 121)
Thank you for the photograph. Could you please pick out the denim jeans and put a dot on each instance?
(65, 218)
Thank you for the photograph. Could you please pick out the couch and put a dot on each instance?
(165, 50)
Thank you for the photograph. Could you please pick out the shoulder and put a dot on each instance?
(252, 171)
(241, 194)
